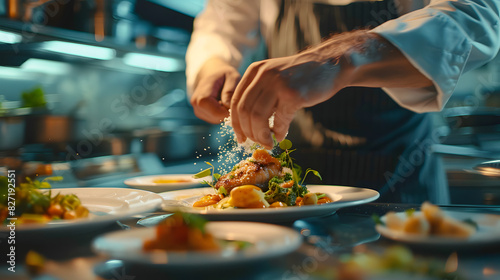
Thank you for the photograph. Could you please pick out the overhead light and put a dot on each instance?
(46, 66)
(153, 62)
(81, 50)
(9, 37)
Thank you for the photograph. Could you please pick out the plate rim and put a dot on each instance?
(98, 219)
(438, 240)
(193, 181)
(281, 211)
(197, 256)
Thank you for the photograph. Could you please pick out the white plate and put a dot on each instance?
(106, 205)
(147, 182)
(342, 197)
(267, 241)
(488, 231)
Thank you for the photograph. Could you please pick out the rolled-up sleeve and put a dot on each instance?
(443, 40)
(228, 29)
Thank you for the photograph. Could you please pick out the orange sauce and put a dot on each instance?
(207, 200)
(169, 181)
(324, 200)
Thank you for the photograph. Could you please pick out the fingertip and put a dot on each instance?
(280, 136)
(240, 138)
(268, 146)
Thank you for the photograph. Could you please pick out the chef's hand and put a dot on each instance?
(281, 86)
(214, 88)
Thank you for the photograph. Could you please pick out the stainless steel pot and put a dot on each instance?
(12, 128)
(12, 133)
(48, 129)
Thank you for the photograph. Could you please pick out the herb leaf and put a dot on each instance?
(409, 212)
(203, 173)
(285, 144)
(53, 178)
(194, 221)
(377, 220)
(222, 191)
(316, 173)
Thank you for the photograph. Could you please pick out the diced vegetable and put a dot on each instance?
(34, 205)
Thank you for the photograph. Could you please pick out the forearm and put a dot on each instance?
(368, 60)
(378, 63)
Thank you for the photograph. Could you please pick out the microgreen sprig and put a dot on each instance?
(287, 161)
(208, 172)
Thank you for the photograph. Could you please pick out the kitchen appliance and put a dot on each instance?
(489, 168)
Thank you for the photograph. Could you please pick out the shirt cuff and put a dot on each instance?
(436, 47)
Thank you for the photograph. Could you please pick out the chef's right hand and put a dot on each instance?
(214, 89)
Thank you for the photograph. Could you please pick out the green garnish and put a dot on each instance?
(235, 167)
(203, 173)
(238, 245)
(287, 161)
(285, 195)
(409, 212)
(194, 221)
(222, 191)
(320, 195)
(285, 144)
(207, 172)
(377, 220)
(314, 172)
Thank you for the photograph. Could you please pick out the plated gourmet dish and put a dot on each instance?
(34, 202)
(187, 232)
(263, 180)
(430, 221)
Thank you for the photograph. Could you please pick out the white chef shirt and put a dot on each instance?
(441, 38)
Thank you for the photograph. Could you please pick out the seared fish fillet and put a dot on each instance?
(256, 170)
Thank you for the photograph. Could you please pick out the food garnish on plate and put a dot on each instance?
(187, 232)
(182, 232)
(32, 203)
(261, 181)
(393, 262)
(430, 221)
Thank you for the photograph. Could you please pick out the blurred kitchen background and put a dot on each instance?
(112, 74)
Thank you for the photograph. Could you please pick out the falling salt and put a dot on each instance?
(230, 152)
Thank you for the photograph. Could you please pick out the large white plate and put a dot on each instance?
(106, 205)
(267, 241)
(147, 182)
(488, 231)
(183, 200)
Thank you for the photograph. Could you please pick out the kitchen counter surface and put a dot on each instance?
(327, 240)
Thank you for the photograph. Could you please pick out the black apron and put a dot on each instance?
(361, 137)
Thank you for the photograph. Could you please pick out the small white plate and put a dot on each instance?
(183, 200)
(148, 182)
(267, 241)
(106, 205)
(488, 231)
